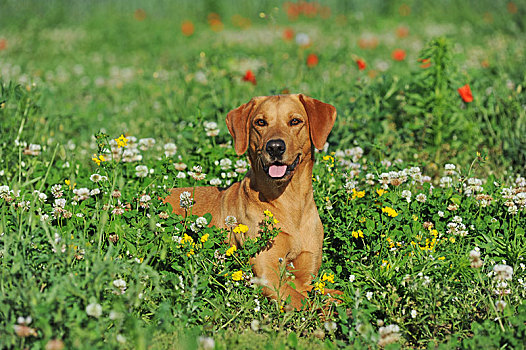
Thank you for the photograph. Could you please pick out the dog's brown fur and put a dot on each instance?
(289, 198)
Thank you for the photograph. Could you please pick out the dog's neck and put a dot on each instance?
(273, 192)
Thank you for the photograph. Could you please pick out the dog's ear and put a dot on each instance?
(237, 123)
(321, 119)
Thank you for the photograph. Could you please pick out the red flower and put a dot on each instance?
(361, 64)
(398, 55)
(187, 27)
(288, 34)
(426, 63)
(312, 60)
(465, 93)
(249, 76)
(3, 44)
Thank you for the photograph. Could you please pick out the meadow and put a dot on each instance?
(421, 187)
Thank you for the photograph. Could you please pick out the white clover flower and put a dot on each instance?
(82, 193)
(42, 197)
(421, 197)
(254, 325)
(211, 128)
(145, 144)
(502, 272)
(241, 166)
(407, 195)
(95, 177)
(215, 182)
(185, 200)
(446, 181)
(230, 221)
(170, 149)
(94, 192)
(225, 164)
(369, 295)
(141, 171)
(94, 310)
(180, 175)
(352, 278)
(201, 222)
(60, 202)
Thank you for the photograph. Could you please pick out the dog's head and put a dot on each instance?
(280, 132)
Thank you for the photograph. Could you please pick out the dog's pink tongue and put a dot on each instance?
(277, 170)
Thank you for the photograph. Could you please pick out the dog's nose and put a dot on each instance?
(275, 148)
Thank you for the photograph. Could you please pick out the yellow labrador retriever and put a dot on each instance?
(280, 133)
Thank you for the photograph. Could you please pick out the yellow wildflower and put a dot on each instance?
(328, 278)
(415, 218)
(241, 229)
(276, 222)
(237, 276)
(268, 213)
(380, 192)
(357, 194)
(187, 238)
(204, 238)
(328, 158)
(191, 252)
(231, 250)
(452, 239)
(390, 212)
(122, 141)
(363, 219)
(385, 263)
(441, 257)
(357, 234)
(319, 287)
(68, 183)
(98, 159)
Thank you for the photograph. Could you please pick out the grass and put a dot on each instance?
(421, 191)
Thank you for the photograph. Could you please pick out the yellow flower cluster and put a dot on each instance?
(357, 194)
(204, 238)
(357, 234)
(390, 212)
(320, 286)
(230, 251)
(241, 229)
(268, 214)
(429, 244)
(380, 192)
(328, 278)
(98, 159)
(122, 141)
(237, 276)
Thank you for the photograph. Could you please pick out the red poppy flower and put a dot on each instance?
(398, 55)
(187, 27)
(288, 34)
(312, 60)
(465, 93)
(249, 76)
(361, 64)
(3, 44)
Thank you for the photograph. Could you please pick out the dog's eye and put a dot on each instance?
(294, 121)
(261, 122)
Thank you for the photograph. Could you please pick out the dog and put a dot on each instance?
(280, 133)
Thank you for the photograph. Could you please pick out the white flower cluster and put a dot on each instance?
(456, 227)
